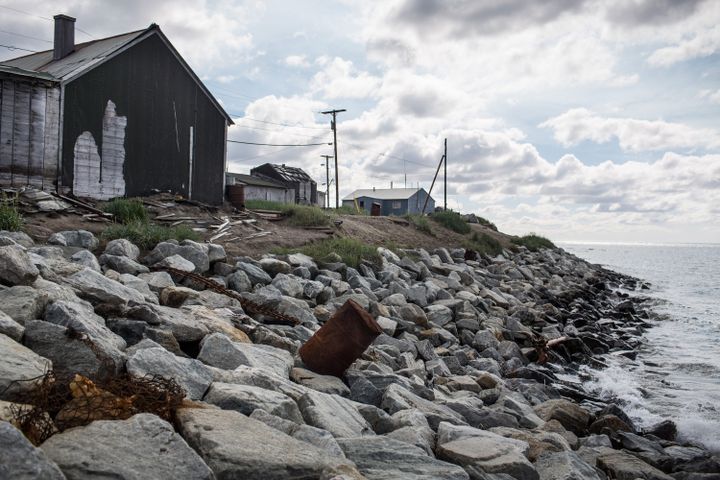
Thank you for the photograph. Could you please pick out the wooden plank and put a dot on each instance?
(52, 138)
(37, 136)
(6, 131)
(21, 135)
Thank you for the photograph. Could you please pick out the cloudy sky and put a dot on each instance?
(579, 120)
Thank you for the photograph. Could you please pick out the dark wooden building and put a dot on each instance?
(120, 116)
(293, 177)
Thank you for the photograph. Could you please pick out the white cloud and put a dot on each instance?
(713, 97)
(702, 44)
(579, 124)
(297, 61)
(340, 79)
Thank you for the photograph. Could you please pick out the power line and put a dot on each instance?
(241, 117)
(43, 18)
(277, 131)
(25, 36)
(280, 144)
(12, 47)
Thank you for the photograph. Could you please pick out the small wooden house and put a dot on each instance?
(293, 177)
(119, 116)
(256, 188)
(390, 201)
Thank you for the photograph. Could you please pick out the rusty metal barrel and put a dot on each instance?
(340, 341)
(236, 195)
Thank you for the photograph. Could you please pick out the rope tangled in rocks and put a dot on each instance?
(246, 304)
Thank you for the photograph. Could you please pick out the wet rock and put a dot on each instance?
(143, 446)
(246, 399)
(74, 238)
(564, 465)
(20, 460)
(383, 458)
(19, 363)
(570, 415)
(333, 413)
(16, 267)
(192, 375)
(539, 442)
(609, 424)
(219, 351)
(666, 430)
(235, 446)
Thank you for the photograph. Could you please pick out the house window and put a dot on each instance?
(396, 205)
(362, 203)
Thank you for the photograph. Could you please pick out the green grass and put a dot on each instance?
(486, 223)
(127, 210)
(483, 243)
(533, 242)
(421, 223)
(265, 205)
(346, 210)
(452, 221)
(10, 218)
(307, 216)
(352, 251)
(146, 235)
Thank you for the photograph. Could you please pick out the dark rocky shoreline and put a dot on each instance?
(463, 382)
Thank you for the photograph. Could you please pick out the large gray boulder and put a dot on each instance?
(235, 446)
(143, 446)
(221, 352)
(124, 247)
(20, 460)
(18, 365)
(82, 318)
(21, 238)
(333, 413)
(23, 303)
(397, 398)
(572, 416)
(97, 288)
(194, 376)
(190, 251)
(183, 325)
(86, 259)
(321, 383)
(71, 355)
(247, 398)
(566, 465)
(122, 264)
(16, 267)
(624, 466)
(10, 327)
(74, 238)
(318, 437)
(482, 452)
(383, 458)
(254, 273)
(259, 377)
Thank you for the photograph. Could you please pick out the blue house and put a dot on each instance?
(390, 201)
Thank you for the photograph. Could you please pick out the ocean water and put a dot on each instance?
(676, 374)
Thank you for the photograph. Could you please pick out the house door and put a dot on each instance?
(375, 210)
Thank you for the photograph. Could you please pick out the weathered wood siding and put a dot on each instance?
(29, 134)
(162, 107)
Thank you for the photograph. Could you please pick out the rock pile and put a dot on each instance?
(462, 383)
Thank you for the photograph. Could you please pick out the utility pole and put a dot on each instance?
(327, 177)
(445, 175)
(333, 125)
(431, 185)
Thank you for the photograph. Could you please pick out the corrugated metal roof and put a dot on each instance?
(291, 174)
(85, 56)
(252, 180)
(26, 73)
(383, 193)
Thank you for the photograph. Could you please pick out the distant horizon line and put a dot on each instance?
(641, 244)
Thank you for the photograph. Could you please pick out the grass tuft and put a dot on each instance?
(346, 210)
(351, 250)
(421, 223)
(307, 216)
(10, 217)
(127, 210)
(533, 242)
(484, 243)
(265, 205)
(146, 235)
(452, 221)
(486, 223)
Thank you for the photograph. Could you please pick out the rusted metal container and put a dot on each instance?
(236, 195)
(340, 341)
